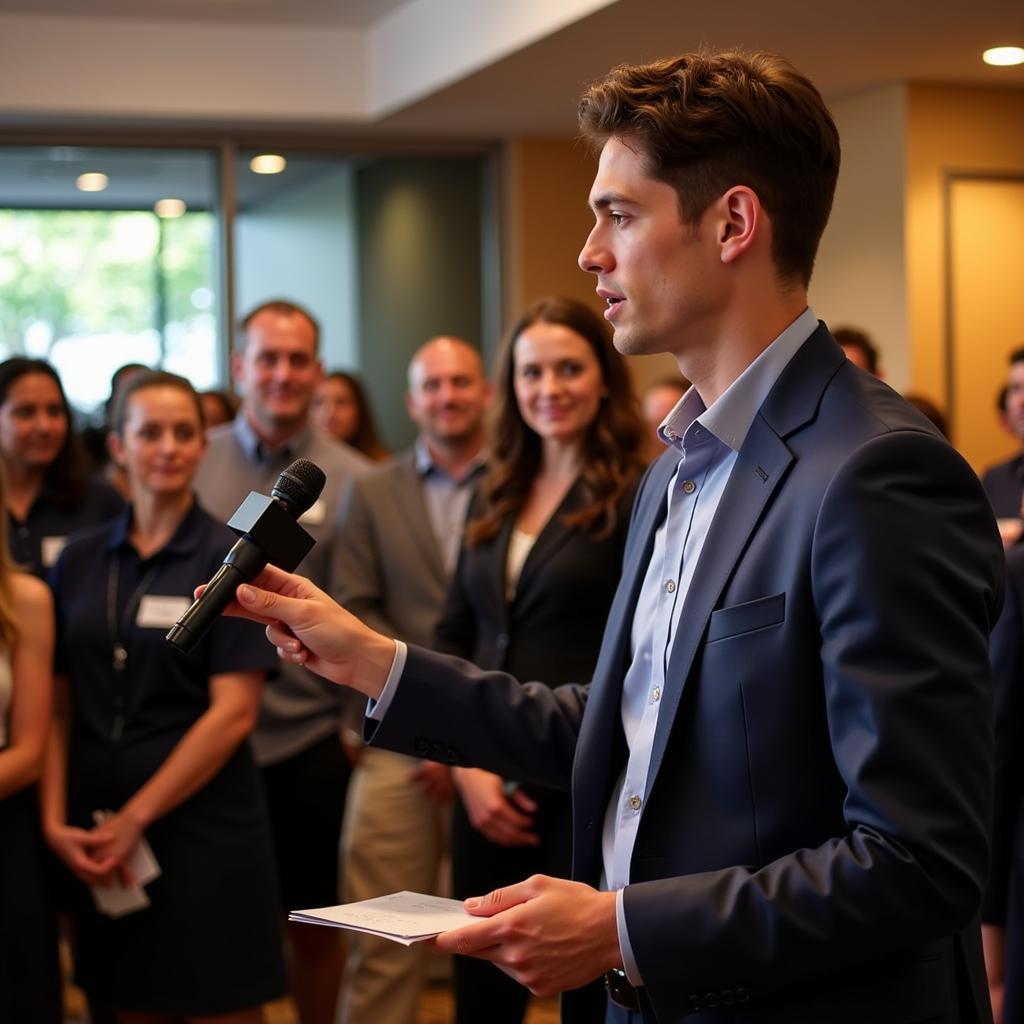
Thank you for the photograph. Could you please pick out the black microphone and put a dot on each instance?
(267, 532)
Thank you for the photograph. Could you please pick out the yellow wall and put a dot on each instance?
(949, 129)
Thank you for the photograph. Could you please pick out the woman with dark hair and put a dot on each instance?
(49, 493)
(535, 579)
(342, 410)
(29, 978)
(218, 407)
(151, 744)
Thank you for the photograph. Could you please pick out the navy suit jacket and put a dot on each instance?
(814, 839)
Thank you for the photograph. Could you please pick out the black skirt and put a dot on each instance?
(211, 940)
(29, 975)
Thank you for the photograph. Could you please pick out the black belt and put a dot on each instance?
(621, 992)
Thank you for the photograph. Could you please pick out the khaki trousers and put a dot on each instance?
(395, 838)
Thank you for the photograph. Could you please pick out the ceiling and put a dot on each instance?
(327, 13)
(845, 47)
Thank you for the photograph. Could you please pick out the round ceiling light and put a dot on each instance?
(167, 208)
(1004, 56)
(268, 163)
(92, 181)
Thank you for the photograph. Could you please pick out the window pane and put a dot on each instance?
(92, 280)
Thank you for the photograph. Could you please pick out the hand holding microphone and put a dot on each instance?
(268, 531)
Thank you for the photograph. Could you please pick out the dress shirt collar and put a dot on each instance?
(256, 449)
(426, 466)
(183, 540)
(729, 418)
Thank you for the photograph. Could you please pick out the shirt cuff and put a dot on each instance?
(628, 962)
(377, 709)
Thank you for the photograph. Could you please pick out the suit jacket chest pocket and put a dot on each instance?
(748, 617)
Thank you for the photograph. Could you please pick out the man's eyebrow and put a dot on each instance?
(606, 199)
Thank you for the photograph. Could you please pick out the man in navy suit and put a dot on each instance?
(1004, 482)
(781, 769)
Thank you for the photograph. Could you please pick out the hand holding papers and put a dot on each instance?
(404, 917)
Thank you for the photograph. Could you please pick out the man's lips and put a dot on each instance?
(614, 302)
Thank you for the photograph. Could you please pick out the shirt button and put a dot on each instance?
(670, 586)
(689, 487)
(634, 803)
(656, 695)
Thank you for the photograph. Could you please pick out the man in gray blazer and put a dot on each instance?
(398, 541)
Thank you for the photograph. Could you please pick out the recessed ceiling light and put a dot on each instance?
(92, 181)
(169, 207)
(267, 163)
(1004, 56)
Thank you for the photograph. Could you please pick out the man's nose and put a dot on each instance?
(594, 257)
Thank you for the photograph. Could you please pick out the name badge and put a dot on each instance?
(50, 550)
(158, 612)
(315, 514)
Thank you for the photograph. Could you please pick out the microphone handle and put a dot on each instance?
(244, 562)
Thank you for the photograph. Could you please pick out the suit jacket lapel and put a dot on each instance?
(760, 468)
(554, 535)
(411, 506)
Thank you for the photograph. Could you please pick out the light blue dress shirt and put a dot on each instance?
(708, 440)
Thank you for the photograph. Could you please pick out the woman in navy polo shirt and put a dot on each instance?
(49, 494)
(156, 740)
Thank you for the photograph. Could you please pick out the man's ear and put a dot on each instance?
(236, 370)
(740, 223)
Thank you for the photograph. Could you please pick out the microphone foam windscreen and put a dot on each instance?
(300, 484)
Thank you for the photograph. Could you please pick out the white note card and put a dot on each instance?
(404, 917)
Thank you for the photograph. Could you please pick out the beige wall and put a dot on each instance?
(859, 277)
(949, 129)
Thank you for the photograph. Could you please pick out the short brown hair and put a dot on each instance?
(707, 122)
(283, 308)
(142, 381)
(612, 445)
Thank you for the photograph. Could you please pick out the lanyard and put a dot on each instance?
(118, 633)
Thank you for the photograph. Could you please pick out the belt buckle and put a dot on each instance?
(620, 990)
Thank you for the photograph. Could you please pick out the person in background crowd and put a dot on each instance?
(398, 539)
(49, 493)
(298, 738)
(158, 740)
(930, 411)
(657, 402)
(218, 407)
(859, 349)
(29, 978)
(539, 566)
(94, 434)
(342, 410)
(1003, 911)
(1004, 482)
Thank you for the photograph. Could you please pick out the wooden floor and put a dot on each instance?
(435, 1008)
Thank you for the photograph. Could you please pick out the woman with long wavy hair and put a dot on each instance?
(536, 576)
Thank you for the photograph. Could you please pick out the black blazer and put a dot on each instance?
(552, 628)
